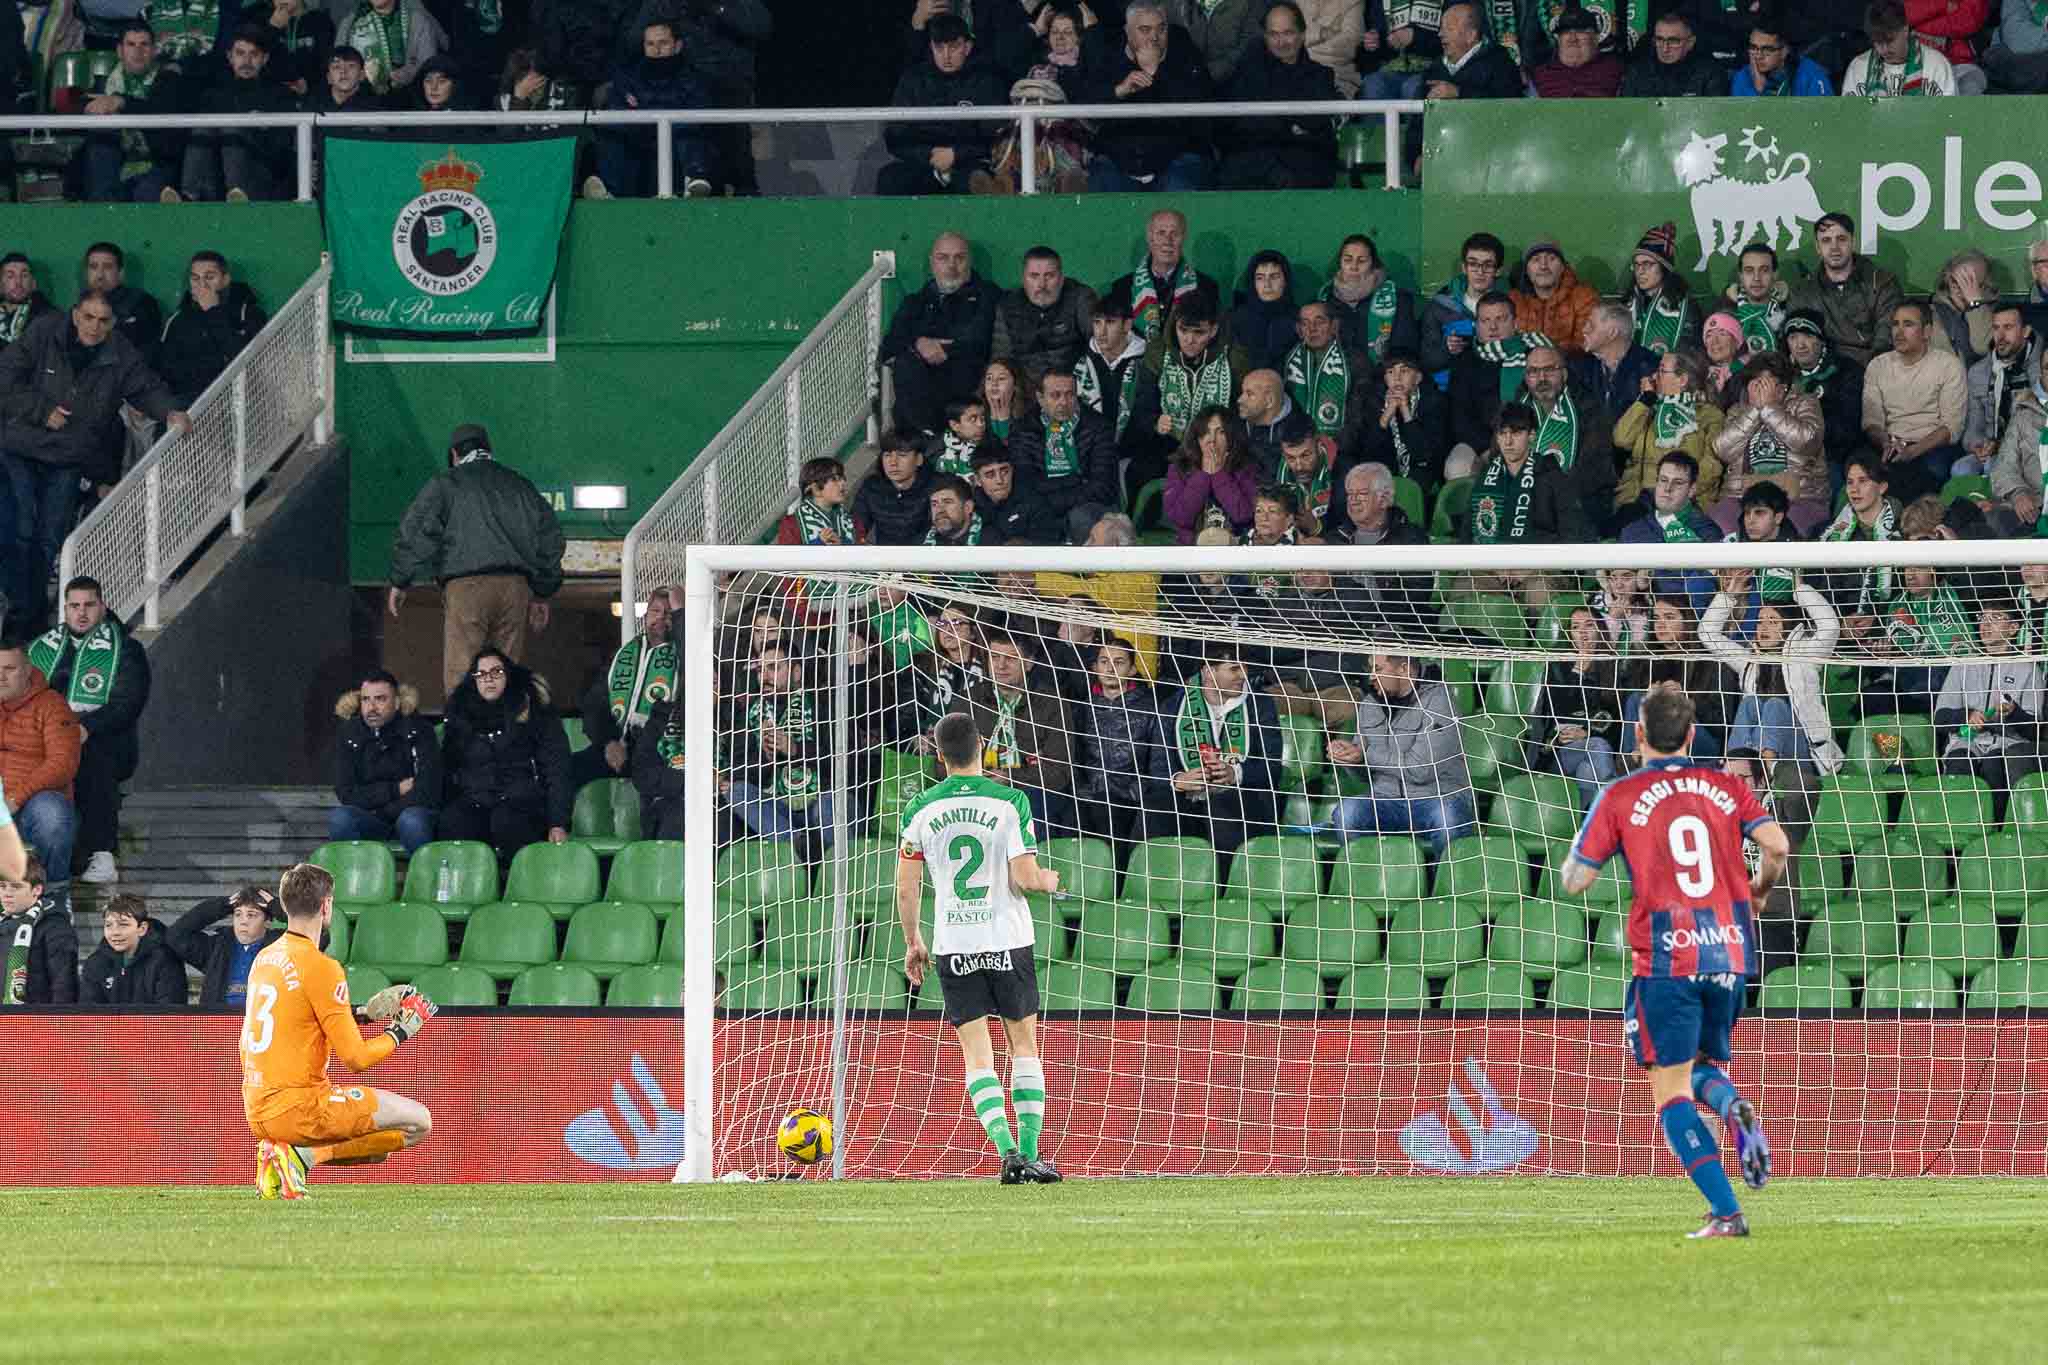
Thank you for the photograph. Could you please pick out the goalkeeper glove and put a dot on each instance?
(413, 1012)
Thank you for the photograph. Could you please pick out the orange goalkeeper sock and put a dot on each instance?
(362, 1151)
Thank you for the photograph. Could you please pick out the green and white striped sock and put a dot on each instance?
(985, 1094)
(1027, 1094)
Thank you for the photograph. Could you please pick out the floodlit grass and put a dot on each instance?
(1323, 1269)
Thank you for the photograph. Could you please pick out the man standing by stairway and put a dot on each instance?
(104, 676)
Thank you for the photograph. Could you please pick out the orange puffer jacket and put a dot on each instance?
(39, 743)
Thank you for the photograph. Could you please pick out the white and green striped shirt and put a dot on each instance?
(966, 830)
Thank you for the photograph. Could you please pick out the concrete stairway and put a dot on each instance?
(181, 844)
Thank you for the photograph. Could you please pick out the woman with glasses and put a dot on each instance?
(506, 759)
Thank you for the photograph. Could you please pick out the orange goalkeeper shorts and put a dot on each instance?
(316, 1114)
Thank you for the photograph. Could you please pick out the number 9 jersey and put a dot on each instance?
(1680, 828)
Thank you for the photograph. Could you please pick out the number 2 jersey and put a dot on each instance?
(966, 830)
(1680, 828)
(297, 1010)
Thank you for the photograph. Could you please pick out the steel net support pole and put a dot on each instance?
(842, 793)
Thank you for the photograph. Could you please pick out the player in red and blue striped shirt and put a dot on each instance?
(1680, 826)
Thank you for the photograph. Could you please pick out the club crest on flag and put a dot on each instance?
(445, 240)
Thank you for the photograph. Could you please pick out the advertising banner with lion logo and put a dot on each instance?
(449, 241)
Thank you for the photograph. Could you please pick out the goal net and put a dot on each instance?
(1311, 808)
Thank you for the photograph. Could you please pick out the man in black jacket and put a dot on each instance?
(242, 164)
(38, 944)
(135, 965)
(1010, 507)
(892, 506)
(1157, 63)
(945, 156)
(103, 673)
(1676, 67)
(1044, 324)
(215, 319)
(1284, 152)
(136, 314)
(1069, 453)
(61, 390)
(938, 342)
(224, 959)
(1470, 67)
(387, 766)
(21, 302)
(1219, 754)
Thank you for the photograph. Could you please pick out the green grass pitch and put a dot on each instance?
(1323, 1269)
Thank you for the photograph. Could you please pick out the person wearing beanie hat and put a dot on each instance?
(1578, 69)
(1830, 378)
(1853, 296)
(1721, 337)
(1660, 305)
(488, 538)
(1677, 66)
(1551, 298)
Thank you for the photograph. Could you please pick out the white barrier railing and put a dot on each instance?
(1027, 117)
(278, 390)
(741, 483)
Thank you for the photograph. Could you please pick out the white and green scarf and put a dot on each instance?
(1760, 322)
(931, 537)
(1632, 17)
(14, 321)
(639, 678)
(1501, 500)
(14, 989)
(382, 39)
(1512, 355)
(1088, 385)
(1772, 585)
(1062, 459)
(1659, 326)
(1379, 306)
(184, 28)
(1001, 750)
(1676, 419)
(1148, 313)
(814, 520)
(93, 672)
(1194, 725)
(1183, 392)
(956, 454)
(1558, 437)
(1677, 529)
(2041, 454)
(1877, 583)
(135, 155)
(1320, 385)
(793, 783)
(1315, 490)
(1766, 454)
(1912, 79)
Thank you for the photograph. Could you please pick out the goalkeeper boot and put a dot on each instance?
(1015, 1168)
(1720, 1225)
(269, 1180)
(1041, 1172)
(1752, 1148)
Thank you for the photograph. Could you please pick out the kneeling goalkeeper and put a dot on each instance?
(975, 836)
(297, 1011)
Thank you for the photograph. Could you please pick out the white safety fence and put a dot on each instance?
(278, 391)
(742, 482)
(1028, 119)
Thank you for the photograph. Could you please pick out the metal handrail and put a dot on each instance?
(224, 456)
(698, 485)
(1027, 116)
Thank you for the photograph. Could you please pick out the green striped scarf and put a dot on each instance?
(184, 28)
(382, 39)
(1877, 583)
(1677, 418)
(931, 537)
(1183, 392)
(639, 678)
(1148, 313)
(1194, 725)
(815, 520)
(135, 155)
(1912, 80)
(1512, 355)
(1320, 385)
(1558, 437)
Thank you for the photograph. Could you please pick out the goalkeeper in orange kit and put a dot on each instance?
(298, 1009)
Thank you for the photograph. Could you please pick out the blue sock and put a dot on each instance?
(1697, 1151)
(1711, 1087)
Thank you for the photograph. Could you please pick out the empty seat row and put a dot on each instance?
(459, 874)
(556, 983)
(505, 938)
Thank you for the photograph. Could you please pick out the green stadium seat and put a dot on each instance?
(1540, 810)
(558, 984)
(606, 816)
(1492, 615)
(364, 872)
(760, 989)
(1408, 497)
(1148, 507)
(2033, 936)
(1436, 937)
(1278, 986)
(1493, 748)
(1610, 889)
(610, 936)
(1333, 937)
(1301, 753)
(1490, 986)
(1819, 876)
(1610, 938)
(2002, 872)
(1552, 626)
(573, 731)
(650, 872)
(904, 776)
(453, 983)
(1593, 986)
(652, 985)
(1371, 989)
(1845, 817)
(1073, 986)
(2010, 984)
(504, 938)
(1380, 870)
(1852, 937)
(1807, 985)
(757, 873)
(455, 875)
(2028, 812)
(1051, 930)
(1087, 869)
(1514, 689)
(1909, 986)
(1965, 486)
(1280, 870)
(870, 877)
(1541, 937)
(338, 935)
(799, 935)
(1171, 873)
(670, 953)
(1948, 812)
(559, 876)
(1960, 939)
(1234, 935)
(1888, 749)
(1483, 873)
(1174, 986)
(1451, 501)
(401, 939)
(1123, 937)
(364, 982)
(1898, 871)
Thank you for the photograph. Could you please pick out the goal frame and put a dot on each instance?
(705, 563)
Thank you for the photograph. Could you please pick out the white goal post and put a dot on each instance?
(1353, 997)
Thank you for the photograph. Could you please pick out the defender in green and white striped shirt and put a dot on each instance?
(976, 837)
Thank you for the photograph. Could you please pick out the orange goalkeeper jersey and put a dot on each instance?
(297, 1011)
